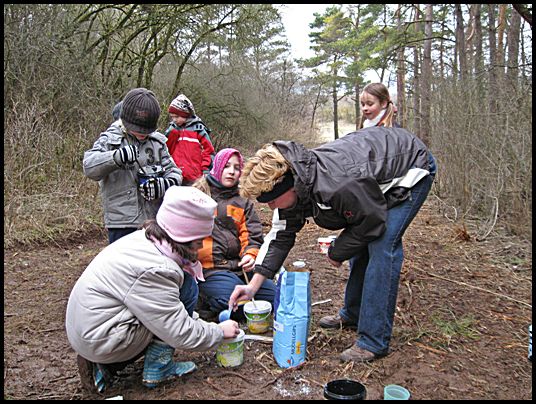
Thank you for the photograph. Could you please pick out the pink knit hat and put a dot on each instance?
(221, 158)
(186, 214)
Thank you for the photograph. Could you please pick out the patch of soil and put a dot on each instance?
(460, 329)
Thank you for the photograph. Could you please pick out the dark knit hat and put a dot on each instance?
(116, 111)
(140, 111)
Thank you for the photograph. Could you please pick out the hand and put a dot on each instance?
(334, 263)
(154, 188)
(240, 292)
(247, 262)
(230, 328)
(126, 155)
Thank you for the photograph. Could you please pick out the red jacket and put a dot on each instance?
(191, 149)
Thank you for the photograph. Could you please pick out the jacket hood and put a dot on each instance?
(217, 189)
(303, 163)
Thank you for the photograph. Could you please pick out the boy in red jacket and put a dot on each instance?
(188, 140)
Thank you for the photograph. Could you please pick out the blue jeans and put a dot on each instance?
(372, 287)
(218, 287)
(116, 234)
(189, 293)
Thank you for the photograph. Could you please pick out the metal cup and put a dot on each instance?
(147, 172)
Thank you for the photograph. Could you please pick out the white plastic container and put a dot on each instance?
(258, 316)
(230, 352)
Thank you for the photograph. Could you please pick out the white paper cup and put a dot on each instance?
(324, 243)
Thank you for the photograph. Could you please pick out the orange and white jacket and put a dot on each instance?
(237, 231)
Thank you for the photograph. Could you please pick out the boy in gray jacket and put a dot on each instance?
(127, 152)
(136, 298)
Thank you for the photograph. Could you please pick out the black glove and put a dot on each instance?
(154, 188)
(126, 155)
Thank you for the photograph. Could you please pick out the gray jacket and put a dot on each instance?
(127, 294)
(348, 184)
(123, 204)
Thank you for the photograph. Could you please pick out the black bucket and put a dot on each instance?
(344, 389)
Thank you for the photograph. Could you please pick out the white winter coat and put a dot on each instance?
(129, 292)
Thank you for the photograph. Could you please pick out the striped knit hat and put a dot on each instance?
(182, 106)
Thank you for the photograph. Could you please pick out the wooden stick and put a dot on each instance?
(476, 287)
(320, 302)
(245, 275)
(247, 283)
(437, 351)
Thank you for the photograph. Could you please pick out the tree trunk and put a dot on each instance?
(469, 40)
(315, 105)
(513, 49)
(427, 75)
(335, 105)
(500, 41)
(416, 81)
(357, 105)
(493, 100)
(400, 75)
(479, 59)
(460, 42)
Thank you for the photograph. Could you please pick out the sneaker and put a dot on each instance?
(357, 354)
(336, 321)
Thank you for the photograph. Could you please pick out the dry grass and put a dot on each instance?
(52, 216)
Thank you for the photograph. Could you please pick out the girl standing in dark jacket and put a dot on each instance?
(370, 184)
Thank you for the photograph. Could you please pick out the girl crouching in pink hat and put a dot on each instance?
(229, 253)
(136, 298)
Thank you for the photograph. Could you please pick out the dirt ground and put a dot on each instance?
(460, 329)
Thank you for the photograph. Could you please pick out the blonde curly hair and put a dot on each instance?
(202, 184)
(262, 172)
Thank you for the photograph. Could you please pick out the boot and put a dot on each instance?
(357, 354)
(94, 375)
(336, 321)
(159, 365)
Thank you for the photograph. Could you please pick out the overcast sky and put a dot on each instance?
(296, 19)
